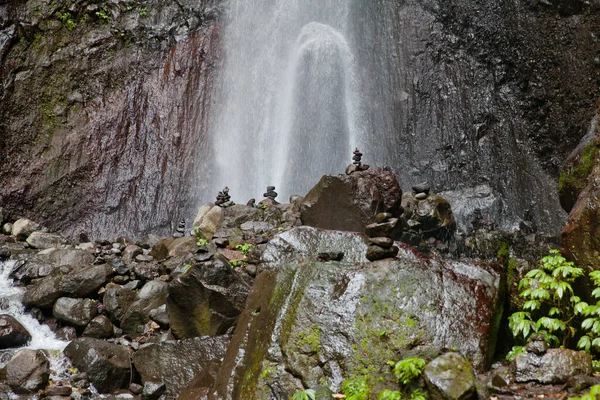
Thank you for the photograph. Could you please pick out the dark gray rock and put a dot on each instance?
(44, 292)
(554, 366)
(152, 295)
(27, 371)
(424, 187)
(375, 253)
(450, 376)
(85, 281)
(100, 328)
(176, 363)
(12, 333)
(382, 229)
(160, 316)
(153, 391)
(107, 365)
(75, 312)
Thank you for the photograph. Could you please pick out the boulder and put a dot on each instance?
(160, 251)
(107, 365)
(44, 292)
(160, 316)
(44, 240)
(12, 333)
(318, 322)
(201, 214)
(130, 253)
(153, 391)
(85, 281)
(182, 246)
(117, 299)
(431, 217)
(147, 271)
(152, 295)
(350, 202)
(27, 371)
(70, 257)
(450, 377)
(100, 328)
(176, 363)
(554, 366)
(22, 228)
(210, 223)
(75, 312)
(205, 300)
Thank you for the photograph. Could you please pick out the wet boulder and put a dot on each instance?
(117, 299)
(27, 371)
(44, 292)
(152, 295)
(322, 321)
(554, 366)
(75, 312)
(450, 377)
(429, 217)
(85, 281)
(176, 363)
(350, 202)
(12, 333)
(100, 328)
(44, 240)
(206, 299)
(69, 257)
(106, 364)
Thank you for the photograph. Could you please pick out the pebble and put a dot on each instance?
(421, 196)
(423, 187)
(384, 242)
(382, 217)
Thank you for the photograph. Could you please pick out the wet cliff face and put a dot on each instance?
(101, 111)
(103, 104)
(488, 98)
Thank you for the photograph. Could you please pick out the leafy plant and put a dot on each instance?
(389, 395)
(407, 370)
(201, 242)
(308, 394)
(591, 340)
(236, 263)
(244, 248)
(143, 12)
(592, 395)
(67, 19)
(516, 350)
(548, 293)
(356, 388)
(103, 16)
(418, 394)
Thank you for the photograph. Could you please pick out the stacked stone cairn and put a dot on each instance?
(180, 231)
(271, 193)
(421, 191)
(223, 199)
(356, 163)
(380, 244)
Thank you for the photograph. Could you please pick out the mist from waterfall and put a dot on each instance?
(288, 107)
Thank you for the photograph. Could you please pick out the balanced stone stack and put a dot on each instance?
(180, 231)
(421, 191)
(356, 163)
(380, 244)
(223, 199)
(271, 193)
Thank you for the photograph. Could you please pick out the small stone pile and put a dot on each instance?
(223, 199)
(180, 231)
(271, 193)
(356, 163)
(421, 191)
(380, 244)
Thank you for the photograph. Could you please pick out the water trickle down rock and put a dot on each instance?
(315, 322)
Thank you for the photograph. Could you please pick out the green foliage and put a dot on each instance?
(591, 325)
(390, 395)
(576, 179)
(308, 394)
(103, 16)
(550, 304)
(407, 370)
(592, 395)
(244, 248)
(186, 268)
(67, 19)
(383, 333)
(236, 263)
(201, 242)
(356, 388)
(418, 394)
(516, 350)
(143, 12)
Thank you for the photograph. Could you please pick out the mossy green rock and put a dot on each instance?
(313, 323)
(450, 377)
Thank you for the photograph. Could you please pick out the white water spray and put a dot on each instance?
(289, 105)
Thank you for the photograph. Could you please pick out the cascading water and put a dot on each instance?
(42, 337)
(289, 105)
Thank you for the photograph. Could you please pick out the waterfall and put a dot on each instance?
(288, 108)
(42, 336)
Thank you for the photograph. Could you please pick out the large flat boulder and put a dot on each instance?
(176, 363)
(326, 321)
(85, 281)
(27, 371)
(350, 202)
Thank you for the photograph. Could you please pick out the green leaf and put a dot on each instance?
(584, 343)
(553, 311)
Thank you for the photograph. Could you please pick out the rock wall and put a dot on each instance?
(101, 113)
